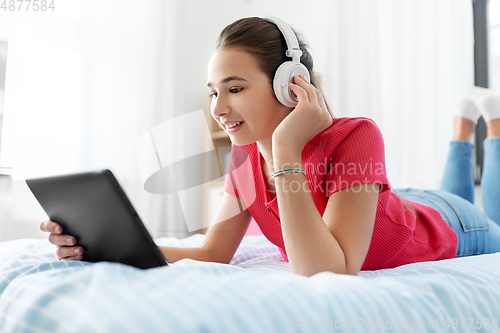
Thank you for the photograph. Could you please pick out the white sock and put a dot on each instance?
(489, 105)
(467, 104)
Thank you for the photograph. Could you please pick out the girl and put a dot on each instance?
(317, 185)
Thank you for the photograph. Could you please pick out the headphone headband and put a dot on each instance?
(292, 43)
(287, 70)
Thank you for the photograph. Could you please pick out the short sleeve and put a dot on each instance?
(358, 159)
(240, 179)
(239, 175)
(230, 184)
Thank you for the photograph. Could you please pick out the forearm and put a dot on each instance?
(173, 254)
(310, 246)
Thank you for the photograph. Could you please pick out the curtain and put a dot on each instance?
(403, 64)
(400, 62)
(125, 59)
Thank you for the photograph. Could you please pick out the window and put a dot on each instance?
(3, 69)
(494, 42)
(486, 62)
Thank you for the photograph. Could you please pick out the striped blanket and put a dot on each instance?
(257, 292)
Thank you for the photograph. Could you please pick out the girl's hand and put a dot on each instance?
(309, 117)
(65, 249)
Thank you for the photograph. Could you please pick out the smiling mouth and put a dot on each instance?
(234, 125)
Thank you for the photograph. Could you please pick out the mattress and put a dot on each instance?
(256, 292)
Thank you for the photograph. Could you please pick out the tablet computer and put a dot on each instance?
(94, 209)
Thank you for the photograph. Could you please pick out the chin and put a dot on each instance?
(241, 142)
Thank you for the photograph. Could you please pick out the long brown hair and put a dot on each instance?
(266, 43)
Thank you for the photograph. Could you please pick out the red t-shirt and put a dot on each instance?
(350, 152)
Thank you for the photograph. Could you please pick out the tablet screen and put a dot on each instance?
(94, 209)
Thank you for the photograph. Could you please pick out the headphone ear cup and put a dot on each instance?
(283, 76)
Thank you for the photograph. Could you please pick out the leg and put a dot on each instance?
(490, 181)
(458, 177)
(476, 233)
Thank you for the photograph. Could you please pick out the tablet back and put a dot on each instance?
(93, 208)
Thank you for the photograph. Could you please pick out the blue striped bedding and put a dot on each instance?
(257, 292)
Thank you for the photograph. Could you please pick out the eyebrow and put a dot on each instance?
(228, 79)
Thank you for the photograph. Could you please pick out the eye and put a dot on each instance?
(235, 90)
(212, 94)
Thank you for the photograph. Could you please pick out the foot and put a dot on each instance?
(489, 105)
(467, 103)
(462, 128)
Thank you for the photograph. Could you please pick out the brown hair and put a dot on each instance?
(266, 43)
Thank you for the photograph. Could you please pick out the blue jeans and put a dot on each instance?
(477, 232)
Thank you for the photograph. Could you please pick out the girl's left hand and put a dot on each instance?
(309, 117)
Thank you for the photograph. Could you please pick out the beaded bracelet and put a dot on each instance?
(288, 170)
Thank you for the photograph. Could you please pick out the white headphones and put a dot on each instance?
(287, 70)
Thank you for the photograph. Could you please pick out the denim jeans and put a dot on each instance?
(477, 232)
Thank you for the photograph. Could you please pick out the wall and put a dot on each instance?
(147, 64)
(20, 214)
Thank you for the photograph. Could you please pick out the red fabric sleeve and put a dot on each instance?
(239, 176)
(230, 184)
(358, 159)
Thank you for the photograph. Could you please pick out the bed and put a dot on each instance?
(256, 292)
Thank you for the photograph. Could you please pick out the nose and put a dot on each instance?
(219, 107)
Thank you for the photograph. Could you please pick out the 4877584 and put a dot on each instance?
(27, 5)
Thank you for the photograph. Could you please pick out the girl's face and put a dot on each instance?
(241, 92)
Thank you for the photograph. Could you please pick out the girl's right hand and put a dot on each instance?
(65, 249)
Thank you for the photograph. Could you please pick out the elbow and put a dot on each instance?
(224, 260)
(337, 269)
(337, 263)
(352, 269)
(218, 257)
(353, 273)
